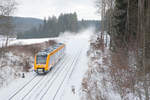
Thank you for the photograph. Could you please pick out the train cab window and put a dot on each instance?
(41, 59)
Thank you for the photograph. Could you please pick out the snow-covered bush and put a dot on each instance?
(18, 59)
(11, 67)
(113, 75)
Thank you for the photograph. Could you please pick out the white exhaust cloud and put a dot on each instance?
(86, 33)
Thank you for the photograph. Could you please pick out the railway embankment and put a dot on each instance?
(17, 60)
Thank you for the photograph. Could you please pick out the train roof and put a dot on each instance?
(49, 49)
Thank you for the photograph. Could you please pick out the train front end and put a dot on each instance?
(40, 63)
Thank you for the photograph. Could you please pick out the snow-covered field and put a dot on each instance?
(14, 41)
(63, 82)
(29, 41)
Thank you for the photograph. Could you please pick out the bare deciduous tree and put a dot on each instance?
(128, 22)
(7, 8)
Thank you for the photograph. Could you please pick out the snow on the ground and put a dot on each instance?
(3, 40)
(14, 41)
(97, 82)
(11, 68)
(72, 88)
(15, 85)
(29, 41)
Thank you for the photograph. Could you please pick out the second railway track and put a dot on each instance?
(41, 87)
(30, 82)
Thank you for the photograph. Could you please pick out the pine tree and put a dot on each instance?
(120, 21)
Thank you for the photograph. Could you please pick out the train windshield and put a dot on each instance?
(41, 59)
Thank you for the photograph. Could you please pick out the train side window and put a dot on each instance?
(51, 59)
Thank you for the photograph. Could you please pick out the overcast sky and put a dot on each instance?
(44, 8)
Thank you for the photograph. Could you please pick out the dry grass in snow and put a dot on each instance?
(17, 59)
(113, 75)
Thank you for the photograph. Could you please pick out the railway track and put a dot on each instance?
(16, 92)
(40, 88)
(69, 75)
(39, 94)
(43, 87)
(57, 84)
(64, 71)
(35, 78)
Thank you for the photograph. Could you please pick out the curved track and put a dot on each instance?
(37, 79)
(51, 85)
(40, 86)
